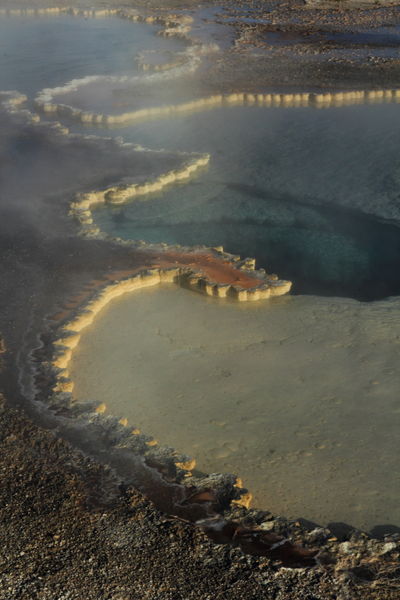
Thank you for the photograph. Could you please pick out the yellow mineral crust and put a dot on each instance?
(141, 61)
(187, 465)
(322, 100)
(64, 385)
(80, 208)
(244, 500)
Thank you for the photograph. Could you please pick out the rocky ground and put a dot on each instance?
(69, 530)
(307, 50)
(289, 45)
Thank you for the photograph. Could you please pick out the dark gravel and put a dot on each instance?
(70, 531)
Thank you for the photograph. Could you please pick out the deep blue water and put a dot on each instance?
(312, 194)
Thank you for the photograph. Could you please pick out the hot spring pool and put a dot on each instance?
(299, 395)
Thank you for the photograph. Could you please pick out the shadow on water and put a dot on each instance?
(326, 250)
(379, 531)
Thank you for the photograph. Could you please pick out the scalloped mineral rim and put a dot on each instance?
(119, 194)
(45, 102)
(68, 336)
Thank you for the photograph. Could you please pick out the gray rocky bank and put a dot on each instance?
(71, 530)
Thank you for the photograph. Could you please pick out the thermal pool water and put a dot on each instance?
(58, 48)
(312, 194)
(298, 395)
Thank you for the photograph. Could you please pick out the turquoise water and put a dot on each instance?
(48, 51)
(312, 194)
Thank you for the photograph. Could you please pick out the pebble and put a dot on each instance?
(388, 547)
(345, 547)
(267, 525)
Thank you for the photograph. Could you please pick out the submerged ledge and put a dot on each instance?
(81, 208)
(179, 25)
(173, 25)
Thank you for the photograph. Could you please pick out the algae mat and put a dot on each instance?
(298, 396)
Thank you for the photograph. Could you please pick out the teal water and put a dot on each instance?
(312, 194)
(48, 51)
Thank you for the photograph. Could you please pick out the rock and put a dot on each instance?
(388, 547)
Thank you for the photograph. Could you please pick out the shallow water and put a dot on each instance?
(295, 395)
(41, 52)
(312, 194)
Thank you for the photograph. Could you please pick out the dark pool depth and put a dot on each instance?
(313, 195)
(324, 250)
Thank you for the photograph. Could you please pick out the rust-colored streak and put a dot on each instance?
(213, 267)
